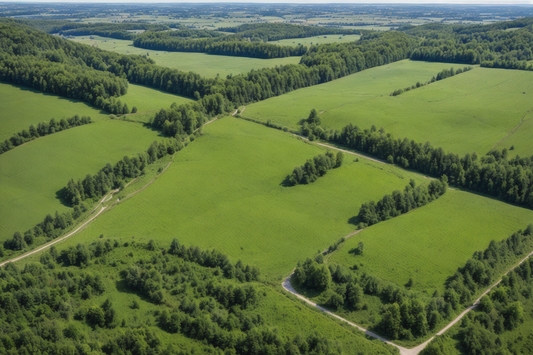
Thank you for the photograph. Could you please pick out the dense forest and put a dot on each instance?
(510, 179)
(247, 40)
(278, 31)
(59, 305)
(399, 202)
(409, 315)
(42, 129)
(500, 45)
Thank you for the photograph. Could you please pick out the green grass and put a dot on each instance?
(316, 40)
(148, 99)
(520, 139)
(224, 191)
(21, 107)
(465, 113)
(201, 63)
(32, 174)
(431, 242)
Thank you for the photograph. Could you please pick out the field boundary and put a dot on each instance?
(286, 284)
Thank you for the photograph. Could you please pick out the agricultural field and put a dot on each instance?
(32, 174)
(316, 40)
(204, 64)
(21, 107)
(469, 112)
(149, 99)
(225, 191)
(428, 244)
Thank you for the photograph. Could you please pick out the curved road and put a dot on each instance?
(286, 284)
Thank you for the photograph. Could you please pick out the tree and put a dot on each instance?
(340, 158)
(134, 109)
(335, 300)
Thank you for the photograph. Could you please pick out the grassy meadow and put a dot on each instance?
(201, 63)
(33, 173)
(429, 244)
(316, 40)
(225, 191)
(465, 113)
(21, 107)
(148, 99)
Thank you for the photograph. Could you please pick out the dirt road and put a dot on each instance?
(286, 284)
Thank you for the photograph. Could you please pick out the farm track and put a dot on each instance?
(286, 284)
(514, 130)
(106, 198)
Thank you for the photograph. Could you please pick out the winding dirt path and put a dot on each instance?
(514, 130)
(54, 241)
(286, 284)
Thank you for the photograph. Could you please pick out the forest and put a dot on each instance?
(408, 315)
(490, 45)
(498, 175)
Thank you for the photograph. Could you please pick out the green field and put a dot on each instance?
(225, 191)
(465, 113)
(431, 242)
(316, 40)
(148, 99)
(21, 107)
(32, 174)
(201, 63)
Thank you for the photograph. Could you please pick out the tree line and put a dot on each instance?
(278, 31)
(42, 129)
(399, 202)
(443, 74)
(215, 45)
(503, 310)
(507, 179)
(315, 168)
(488, 45)
(407, 315)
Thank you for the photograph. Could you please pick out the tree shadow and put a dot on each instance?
(355, 251)
(355, 220)
(60, 196)
(286, 182)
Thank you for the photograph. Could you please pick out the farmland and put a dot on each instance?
(429, 244)
(32, 174)
(486, 106)
(148, 99)
(225, 191)
(203, 64)
(316, 40)
(21, 107)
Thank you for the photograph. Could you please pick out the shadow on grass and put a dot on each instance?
(355, 220)
(60, 196)
(286, 182)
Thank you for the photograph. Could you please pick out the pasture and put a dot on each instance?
(225, 191)
(469, 112)
(429, 244)
(21, 107)
(316, 40)
(204, 64)
(148, 99)
(33, 173)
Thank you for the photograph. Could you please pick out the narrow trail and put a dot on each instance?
(48, 245)
(286, 284)
(106, 198)
(514, 130)
(348, 236)
(150, 183)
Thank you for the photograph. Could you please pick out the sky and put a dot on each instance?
(477, 2)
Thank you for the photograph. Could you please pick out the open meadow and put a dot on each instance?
(21, 107)
(149, 99)
(225, 191)
(307, 41)
(469, 112)
(204, 64)
(33, 173)
(428, 244)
